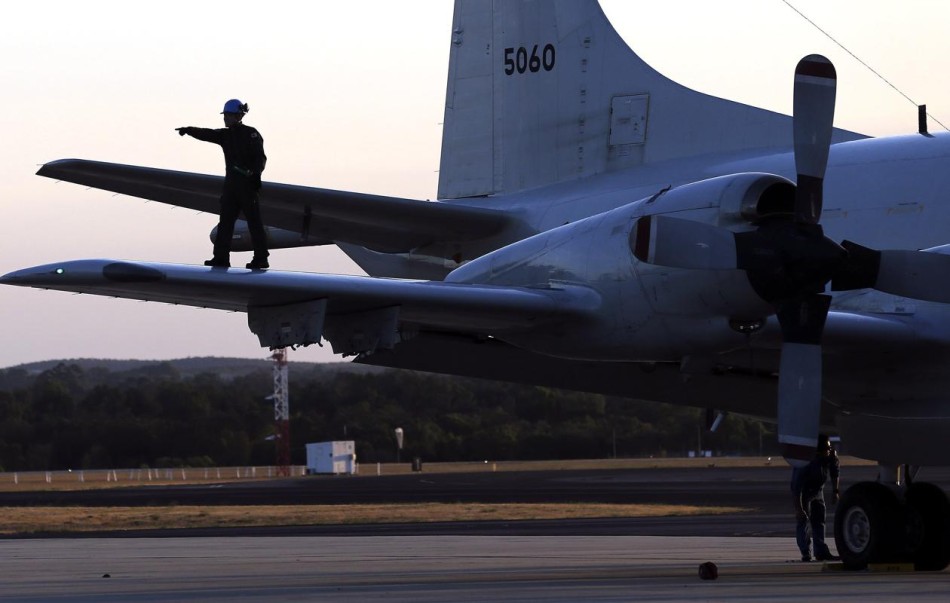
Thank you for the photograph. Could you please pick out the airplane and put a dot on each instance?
(602, 228)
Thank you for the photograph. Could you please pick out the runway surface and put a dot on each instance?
(579, 560)
(434, 568)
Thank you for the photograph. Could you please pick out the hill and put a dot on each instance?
(224, 368)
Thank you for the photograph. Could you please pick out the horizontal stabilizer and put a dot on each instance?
(386, 224)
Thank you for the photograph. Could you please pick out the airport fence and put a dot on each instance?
(97, 478)
(87, 478)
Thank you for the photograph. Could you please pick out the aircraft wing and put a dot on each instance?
(349, 304)
(385, 224)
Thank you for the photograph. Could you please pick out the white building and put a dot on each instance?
(332, 457)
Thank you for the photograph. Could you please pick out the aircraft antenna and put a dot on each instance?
(858, 59)
(281, 412)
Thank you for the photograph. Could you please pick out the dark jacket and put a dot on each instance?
(808, 481)
(243, 148)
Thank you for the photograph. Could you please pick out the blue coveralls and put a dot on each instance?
(808, 485)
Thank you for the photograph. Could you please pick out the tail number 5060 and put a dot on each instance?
(521, 60)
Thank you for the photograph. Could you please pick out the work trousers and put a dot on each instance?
(812, 526)
(237, 199)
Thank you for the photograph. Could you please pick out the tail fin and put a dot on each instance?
(545, 91)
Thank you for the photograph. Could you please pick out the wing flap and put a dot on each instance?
(386, 224)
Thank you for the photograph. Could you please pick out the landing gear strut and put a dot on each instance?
(904, 522)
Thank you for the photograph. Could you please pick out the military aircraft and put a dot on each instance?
(602, 228)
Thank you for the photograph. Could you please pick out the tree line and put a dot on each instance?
(69, 417)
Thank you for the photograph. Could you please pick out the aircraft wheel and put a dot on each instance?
(928, 526)
(867, 525)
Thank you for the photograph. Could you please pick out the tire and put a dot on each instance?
(868, 526)
(928, 520)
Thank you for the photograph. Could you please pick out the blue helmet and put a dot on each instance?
(235, 106)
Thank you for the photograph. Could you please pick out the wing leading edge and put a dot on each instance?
(385, 224)
(356, 314)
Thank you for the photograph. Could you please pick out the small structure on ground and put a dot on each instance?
(332, 457)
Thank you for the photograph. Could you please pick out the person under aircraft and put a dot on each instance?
(808, 484)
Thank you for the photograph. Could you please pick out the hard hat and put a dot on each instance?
(235, 106)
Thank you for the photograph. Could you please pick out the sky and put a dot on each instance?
(348, 95)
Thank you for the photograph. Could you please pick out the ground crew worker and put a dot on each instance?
(808, 484)
(244, 162)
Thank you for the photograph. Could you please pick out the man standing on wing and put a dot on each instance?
(245, 160)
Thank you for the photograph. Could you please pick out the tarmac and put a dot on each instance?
(653, 559)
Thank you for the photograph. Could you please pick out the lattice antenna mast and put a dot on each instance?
(281, 411)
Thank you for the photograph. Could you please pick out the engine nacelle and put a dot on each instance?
(649, 312)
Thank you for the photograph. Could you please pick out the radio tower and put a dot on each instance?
(281, 412)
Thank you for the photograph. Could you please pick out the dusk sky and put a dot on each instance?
(348, 95)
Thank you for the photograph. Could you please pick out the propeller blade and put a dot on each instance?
(680, 243)
(814, 111)
(799, 380)
(922, 275)
(915, 274)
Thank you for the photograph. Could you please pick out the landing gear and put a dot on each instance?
(873, 525)
(865, 527)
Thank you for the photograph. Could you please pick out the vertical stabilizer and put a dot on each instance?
(545, 91)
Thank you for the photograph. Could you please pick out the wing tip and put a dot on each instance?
(51, 169)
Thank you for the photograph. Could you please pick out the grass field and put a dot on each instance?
(60, 520)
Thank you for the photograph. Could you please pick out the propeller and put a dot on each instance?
(805, 260)
(789, 261)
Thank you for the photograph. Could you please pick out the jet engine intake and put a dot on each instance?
(756, 197)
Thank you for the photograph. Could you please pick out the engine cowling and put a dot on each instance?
(649, 312)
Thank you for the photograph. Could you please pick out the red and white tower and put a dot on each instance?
(281, 412)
